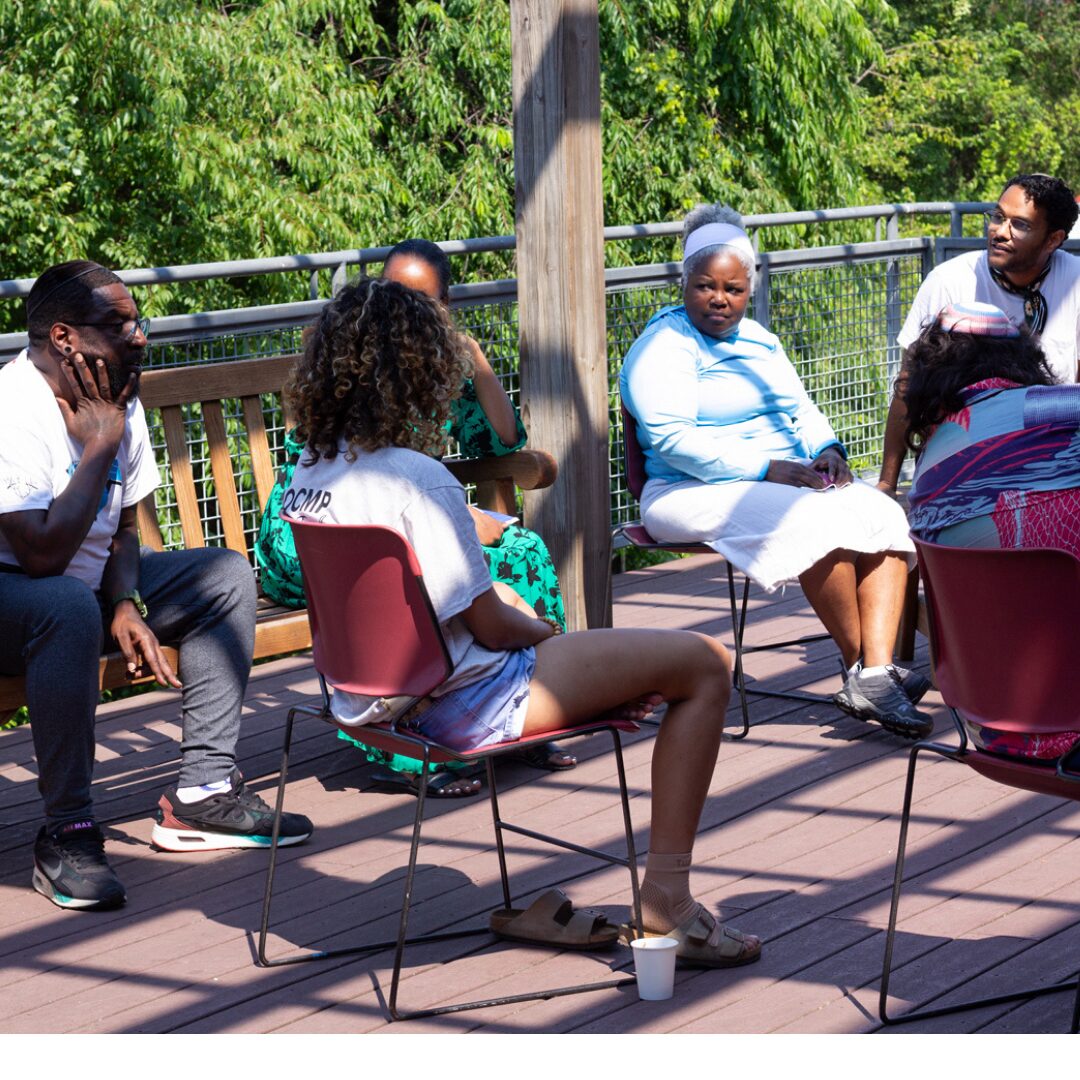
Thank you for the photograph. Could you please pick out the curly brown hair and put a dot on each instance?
(380, 368)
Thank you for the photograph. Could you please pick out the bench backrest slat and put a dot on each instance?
(149, 529)
(262, 464)
(172, 420)
(221, 465)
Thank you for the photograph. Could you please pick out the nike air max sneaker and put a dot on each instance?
(71, 870)
(236, 818)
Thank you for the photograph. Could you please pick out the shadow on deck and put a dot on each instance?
(796, 845)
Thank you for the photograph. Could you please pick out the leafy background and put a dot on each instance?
(173, 131)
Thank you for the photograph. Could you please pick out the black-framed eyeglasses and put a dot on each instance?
(1018, 226)
(142, 323)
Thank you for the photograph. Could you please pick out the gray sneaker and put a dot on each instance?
(911, 682)
(880, 698)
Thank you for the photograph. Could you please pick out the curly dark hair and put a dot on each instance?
(940, 363)
(1051, 195)
(380, 368)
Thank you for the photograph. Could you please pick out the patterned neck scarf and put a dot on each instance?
(1035, 310)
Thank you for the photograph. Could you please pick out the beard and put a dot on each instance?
(120, 373)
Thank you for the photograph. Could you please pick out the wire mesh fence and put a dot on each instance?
(837, 323)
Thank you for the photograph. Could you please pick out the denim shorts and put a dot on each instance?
(485, 712)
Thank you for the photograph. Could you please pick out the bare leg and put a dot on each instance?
(882, 580)
(582, 675)
(579, 676)
(831, 587)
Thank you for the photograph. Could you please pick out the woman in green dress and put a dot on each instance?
(484, 423)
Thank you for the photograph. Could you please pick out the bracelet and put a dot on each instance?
(135, 598)
(551, 622)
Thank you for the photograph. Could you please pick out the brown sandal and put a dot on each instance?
(552, 920)
(706, 943)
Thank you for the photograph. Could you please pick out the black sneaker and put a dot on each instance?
(71, 870)
(911, 682)
(880, 698)
(236, 818)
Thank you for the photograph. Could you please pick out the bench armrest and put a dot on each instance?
(530, 470)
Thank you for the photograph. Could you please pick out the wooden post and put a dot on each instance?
(560, 270)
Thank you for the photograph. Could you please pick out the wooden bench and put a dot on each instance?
(216, 415)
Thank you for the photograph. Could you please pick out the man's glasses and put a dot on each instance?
(142, 323)
(1018, 226)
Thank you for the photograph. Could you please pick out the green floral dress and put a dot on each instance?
(520, 559)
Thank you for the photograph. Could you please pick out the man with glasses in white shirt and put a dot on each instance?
(75, 461)
(1023, 271)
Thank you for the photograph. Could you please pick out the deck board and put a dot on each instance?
(796, 844)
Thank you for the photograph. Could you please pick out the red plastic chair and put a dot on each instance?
(374, 632)
(1003, 627)
(638, 536)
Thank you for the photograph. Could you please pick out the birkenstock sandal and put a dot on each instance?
(706, 943)
(552, 920)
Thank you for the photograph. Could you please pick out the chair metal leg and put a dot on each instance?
(631, 848)
(890, 936)
(399, 943)
(276, 832)
(738, 625)
(738, 622)
(496, 821)
(353, 950)
(565, 991)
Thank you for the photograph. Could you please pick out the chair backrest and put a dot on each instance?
(1003, 626)
(373, 628)
(633, 455)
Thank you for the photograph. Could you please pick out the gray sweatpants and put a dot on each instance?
(54, 629)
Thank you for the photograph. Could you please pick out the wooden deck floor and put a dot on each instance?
(796, 845)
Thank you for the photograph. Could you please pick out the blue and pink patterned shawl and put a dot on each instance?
(1006, 438)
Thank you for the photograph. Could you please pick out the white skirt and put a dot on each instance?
(774, 532)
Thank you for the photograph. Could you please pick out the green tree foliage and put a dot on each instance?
(970, 94)
(172, 131)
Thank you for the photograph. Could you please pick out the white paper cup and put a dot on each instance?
(654, 966)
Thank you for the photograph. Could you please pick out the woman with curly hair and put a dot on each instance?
(483, 423)
(371, 395)
(998, 449)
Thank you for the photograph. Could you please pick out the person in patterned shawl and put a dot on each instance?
(998, 449)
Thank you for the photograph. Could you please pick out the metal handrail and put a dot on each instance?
(15, 288)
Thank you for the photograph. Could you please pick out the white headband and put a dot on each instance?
(716, 233)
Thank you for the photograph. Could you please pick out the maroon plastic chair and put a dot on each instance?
(374, 632)
(638, 536)
(1003, 627)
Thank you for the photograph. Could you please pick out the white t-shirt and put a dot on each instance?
(967, 277)
(38, 458)
(417, 496)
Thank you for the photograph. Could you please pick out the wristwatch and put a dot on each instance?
(135, 598)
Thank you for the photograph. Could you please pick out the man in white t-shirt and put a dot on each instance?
(75, 460)
(1023, 272)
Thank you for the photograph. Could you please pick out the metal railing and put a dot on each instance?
(837, 306)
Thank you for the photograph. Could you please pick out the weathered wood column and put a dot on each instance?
(560, 270)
